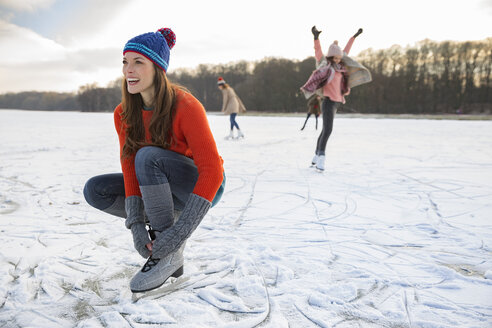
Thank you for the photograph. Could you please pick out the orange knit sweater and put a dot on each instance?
(192, 138)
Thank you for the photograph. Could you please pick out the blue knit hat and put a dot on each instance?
(153, 45)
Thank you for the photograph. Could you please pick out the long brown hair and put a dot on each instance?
(164, 109)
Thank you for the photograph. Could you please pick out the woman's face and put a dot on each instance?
(337, 59)
(139, 74)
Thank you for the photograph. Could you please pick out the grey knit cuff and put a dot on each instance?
(134, 208)
(196, 205)
(171, 239)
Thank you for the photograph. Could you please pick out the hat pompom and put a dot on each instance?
(335, 42)
(169, 35)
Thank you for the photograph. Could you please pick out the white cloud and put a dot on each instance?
(24, 45)
(89, 26)
(33, 62)
(26, 5)
(62, 75)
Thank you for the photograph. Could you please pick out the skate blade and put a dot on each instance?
(169, 286)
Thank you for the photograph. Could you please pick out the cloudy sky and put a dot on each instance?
(59, 45)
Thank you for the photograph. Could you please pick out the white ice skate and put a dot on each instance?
(230, 136)
(314, 160)
(320, 163)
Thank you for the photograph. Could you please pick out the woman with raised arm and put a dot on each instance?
(331, 79)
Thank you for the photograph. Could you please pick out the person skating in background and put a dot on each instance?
(231, 105)
(172, 171)
(314, 108)
(332, 79)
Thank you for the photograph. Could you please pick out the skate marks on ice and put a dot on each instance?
(240, 295)
(407, 271)
(60, 291)
(7, 206)
(376, 241)
(411, 265)
(9, 185)
(225, 292)
(68, 275)
(366, 301)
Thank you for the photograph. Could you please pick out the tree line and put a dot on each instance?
(429, 77)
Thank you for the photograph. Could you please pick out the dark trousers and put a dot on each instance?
(329, 108)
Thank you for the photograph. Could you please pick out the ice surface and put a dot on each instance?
(397, 232)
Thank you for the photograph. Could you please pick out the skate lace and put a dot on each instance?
(151, 262)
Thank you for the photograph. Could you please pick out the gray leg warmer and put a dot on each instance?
(159, 206)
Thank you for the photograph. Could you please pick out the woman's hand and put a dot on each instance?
(135, 221)
(358, 33)
(315, 32)
(141, 239)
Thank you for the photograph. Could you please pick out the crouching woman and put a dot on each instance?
(171, 170)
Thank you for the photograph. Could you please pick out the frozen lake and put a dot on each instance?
(397, 232)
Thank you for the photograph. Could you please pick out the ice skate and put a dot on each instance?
(239, 134)
(156, 272)
(230, 136)
(320, 164)
(314, 160)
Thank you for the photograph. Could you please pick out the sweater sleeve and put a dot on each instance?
(349, 45)
(194, 124)
(127, 164)
(318, 53)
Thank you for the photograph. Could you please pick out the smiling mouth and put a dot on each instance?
(132, 81)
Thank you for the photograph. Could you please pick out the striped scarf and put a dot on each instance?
(323, 75)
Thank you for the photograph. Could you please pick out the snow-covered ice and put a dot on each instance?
(397, 232)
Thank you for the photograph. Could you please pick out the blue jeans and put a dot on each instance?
(153, 166)
(232, 117)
